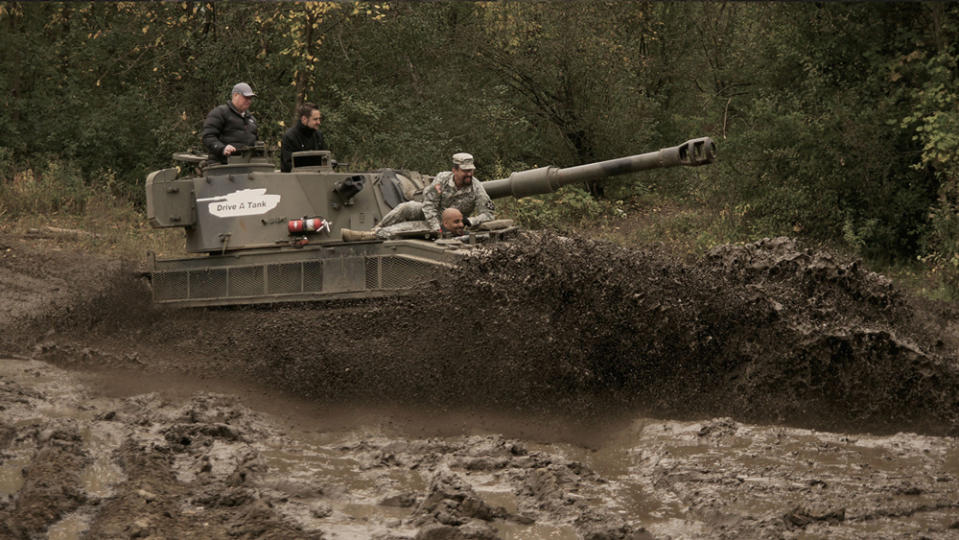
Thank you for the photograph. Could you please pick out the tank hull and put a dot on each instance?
(335, 271)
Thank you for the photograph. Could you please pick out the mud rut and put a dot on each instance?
(585, 334)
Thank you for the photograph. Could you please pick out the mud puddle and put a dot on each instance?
(336, 472)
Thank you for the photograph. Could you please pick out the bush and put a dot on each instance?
(569, 206)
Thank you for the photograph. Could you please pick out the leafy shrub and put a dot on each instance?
(570, 205)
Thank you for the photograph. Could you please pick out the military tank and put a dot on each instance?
(259, 235)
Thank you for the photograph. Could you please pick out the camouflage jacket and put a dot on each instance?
(443, 194)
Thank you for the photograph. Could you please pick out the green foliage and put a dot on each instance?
(816, 156)
(929, 84)
(568, 206)
(585, 100)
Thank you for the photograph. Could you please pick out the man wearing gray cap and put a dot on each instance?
(230, 125)
(450, 189)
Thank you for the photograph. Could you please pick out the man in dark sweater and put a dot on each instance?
(305, 135)
(230, 125)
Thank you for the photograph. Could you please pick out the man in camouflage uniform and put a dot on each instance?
(450, 189)
(451, 227)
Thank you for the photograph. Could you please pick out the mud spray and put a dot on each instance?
(565, 330)
(761, 332)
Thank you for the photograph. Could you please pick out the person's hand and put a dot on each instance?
(229, 149)
(466, 221)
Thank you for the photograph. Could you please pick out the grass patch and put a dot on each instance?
(57, 202)
(686, 228)
(921, 279)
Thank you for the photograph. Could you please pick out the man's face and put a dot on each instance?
(313, 122)
(453, 222)
(241, 102)
(461, 177)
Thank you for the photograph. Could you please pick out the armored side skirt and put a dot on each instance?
(333, 271)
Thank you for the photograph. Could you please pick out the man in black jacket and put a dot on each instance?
(305, 135)
(230, 125)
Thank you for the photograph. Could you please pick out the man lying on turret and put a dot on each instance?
(452, 226)
(455, 188)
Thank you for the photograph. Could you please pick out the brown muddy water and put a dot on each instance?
(557, 388)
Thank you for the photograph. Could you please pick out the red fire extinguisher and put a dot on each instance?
(308, 225)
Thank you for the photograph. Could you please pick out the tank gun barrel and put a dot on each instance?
(691, 153)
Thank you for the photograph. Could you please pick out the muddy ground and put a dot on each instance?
(555, 388)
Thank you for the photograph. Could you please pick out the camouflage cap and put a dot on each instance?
(464, 161)
(244, 89)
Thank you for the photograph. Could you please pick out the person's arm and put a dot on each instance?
(212, 127)
(286, 153)
(431, 204)
(484, 207)
(254, 128)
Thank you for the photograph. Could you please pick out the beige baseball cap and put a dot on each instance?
(464, 161)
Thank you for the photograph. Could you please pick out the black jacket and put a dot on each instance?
(297, 139)
(225, 125)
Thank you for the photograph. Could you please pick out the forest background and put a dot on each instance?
(837, 123)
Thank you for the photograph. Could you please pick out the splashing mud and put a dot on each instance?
(762, 332)
(512, 397)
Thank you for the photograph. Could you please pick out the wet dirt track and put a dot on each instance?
(554, 389)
